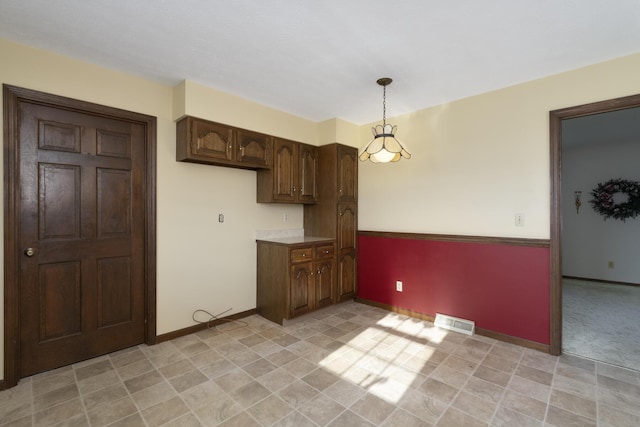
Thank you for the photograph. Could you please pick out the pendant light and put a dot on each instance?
(384, 147)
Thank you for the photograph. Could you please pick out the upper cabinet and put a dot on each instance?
(292, 178)
(202, 141)
(347, 179)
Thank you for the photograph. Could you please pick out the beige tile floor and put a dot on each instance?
(348, 365)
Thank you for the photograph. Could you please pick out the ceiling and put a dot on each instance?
(321, 59)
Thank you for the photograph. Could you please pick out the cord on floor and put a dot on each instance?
(215, 319)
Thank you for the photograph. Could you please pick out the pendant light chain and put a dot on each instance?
(384, 105)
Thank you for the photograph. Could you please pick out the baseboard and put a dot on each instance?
(613, 282)
(202, 326)
(3, 385)
(545, 348)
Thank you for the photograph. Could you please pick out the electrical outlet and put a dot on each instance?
(285, 217)
(220, 217)
(519, 220)
(398, 286)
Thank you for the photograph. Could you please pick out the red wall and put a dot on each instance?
(503, 288)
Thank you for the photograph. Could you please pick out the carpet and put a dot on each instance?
(601, 321)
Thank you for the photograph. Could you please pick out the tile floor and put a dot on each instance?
(347, 365)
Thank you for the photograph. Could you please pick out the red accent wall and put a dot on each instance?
(503, 288)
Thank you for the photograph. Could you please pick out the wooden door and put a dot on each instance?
(253, 148)
(325, 282)
(347, 174)
(211, 140)
(301, 288)
(82, 226)
(284, 170)
(347, 226)
(347, 274)
(307, 169)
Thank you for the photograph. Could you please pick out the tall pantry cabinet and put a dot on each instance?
(335, 214)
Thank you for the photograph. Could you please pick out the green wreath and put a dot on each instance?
(604, 204)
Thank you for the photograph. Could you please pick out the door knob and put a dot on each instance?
(29, 252)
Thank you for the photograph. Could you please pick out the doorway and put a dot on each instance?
(79, 231)
(555, 122)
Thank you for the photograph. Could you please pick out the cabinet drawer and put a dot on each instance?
(302, 254)
(325, 251)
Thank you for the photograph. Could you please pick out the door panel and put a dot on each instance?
(114, 202)
(284, 170)
(212, 140)
(114, 291)
(253, 148)
(301, 286)
(347, 174)
(82, 212)
(325, 279)
(59, 201)
(347, 274)
(59, 300)
(308, 164)
(347, 228)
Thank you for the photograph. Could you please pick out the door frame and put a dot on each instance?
(555, 126)
(12, 97)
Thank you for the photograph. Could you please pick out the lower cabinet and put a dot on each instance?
(295, 278)
(347, 274)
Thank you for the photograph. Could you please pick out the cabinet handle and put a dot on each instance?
(301, 190)
(294, 188)
(319, 272)
(325, 252)
(229, 147)
(341, 191)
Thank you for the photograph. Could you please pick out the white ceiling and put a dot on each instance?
(320, 59)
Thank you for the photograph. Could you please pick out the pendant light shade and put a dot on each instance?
(384, 147)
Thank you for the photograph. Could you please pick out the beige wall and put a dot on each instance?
(201, 262)
(475, 163)
(480, 160)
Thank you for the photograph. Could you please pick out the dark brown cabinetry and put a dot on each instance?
(335, 214)
(295, 278)
(292, 179)
(202, 141)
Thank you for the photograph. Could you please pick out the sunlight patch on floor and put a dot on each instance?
(387, 358)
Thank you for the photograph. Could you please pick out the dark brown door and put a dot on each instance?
(347, 174)
(301, 288)
(284, 170)
(307, 165)
(325, 279)
(211, 140)
(253, 148)
(81, 214)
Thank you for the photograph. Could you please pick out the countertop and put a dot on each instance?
(296, 240)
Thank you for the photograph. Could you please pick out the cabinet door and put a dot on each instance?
(347, 226)
(347, 274)
(211, 140)
(284, 167)
(347, 174)
(302, 290)
(252, 148)
(325, 282)
(307, 167)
